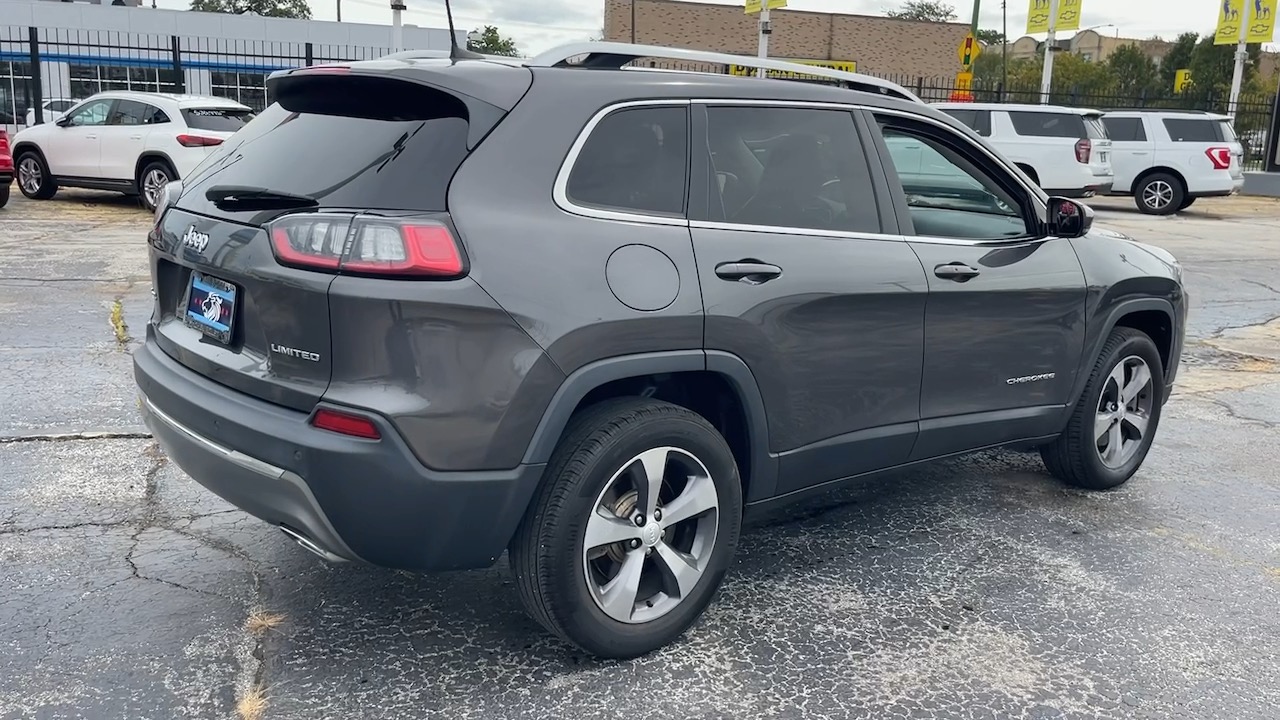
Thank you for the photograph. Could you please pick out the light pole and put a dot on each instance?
(397, 31)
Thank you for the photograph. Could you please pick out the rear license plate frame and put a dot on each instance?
(198, 307)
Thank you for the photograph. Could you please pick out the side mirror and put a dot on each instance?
(63, 121)
(1068, 218)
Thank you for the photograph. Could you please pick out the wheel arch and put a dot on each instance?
(149, 156)
(717, 385)
(1153, 316)
(1157, 170)
(24, 146)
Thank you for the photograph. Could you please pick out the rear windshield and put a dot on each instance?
(1048, 124)
(1199, 130)
(217, 119)
(342, 162)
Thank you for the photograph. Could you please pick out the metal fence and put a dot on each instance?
(43, 69)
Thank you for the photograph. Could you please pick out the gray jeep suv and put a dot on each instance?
(420, 312)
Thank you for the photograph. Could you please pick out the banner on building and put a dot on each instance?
(845, 65)
(1038, 16)
(754, 6)
(1259, 20)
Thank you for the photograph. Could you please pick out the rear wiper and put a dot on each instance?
(236, 197)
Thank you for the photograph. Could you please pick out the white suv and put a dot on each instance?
(1064, 150)
(1166, 159)
(132, 142)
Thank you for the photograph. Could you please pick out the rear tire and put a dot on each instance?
(34, 179)
(1160, 194)
(151, 181)
(1116, 418)
(596, 488)
(4, 196)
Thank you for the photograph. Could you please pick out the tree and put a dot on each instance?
(1178, 58)
(991, 38)
(1133, 73)
(492, 43)
(927, 10)
(297, 9)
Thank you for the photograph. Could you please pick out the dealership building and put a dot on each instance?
(74, 49)
(902, 50)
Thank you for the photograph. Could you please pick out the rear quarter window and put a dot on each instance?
(1048, 124)
(1195, 130)
(635, 160)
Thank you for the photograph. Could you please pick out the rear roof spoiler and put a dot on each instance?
(613, 56)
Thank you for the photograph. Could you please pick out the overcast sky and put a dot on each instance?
(538, 24)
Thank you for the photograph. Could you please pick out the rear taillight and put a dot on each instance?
(345, 424)
(1220, 157)
(385, 247)
(1084, 149)
(198, 140)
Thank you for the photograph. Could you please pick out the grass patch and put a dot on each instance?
(252, 705)
(261, 621)
(118, 325)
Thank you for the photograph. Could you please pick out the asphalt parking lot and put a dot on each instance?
(976, 588)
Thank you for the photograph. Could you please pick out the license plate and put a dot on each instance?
(1106, 156)
(211, 306)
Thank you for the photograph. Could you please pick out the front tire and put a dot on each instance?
(151, 181)
(1160, 194)
(4, 195)
(34, 179)
(1115, 421)
(633, 530)
(1186, 203)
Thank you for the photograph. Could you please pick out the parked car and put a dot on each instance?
(53, 109)
(1065, 150)
(6, 167)
(591, 317)
(1166, 159)
(131, 142)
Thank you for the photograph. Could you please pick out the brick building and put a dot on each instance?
(901, 49)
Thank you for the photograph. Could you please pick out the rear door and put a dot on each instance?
(1004, 326)
(228, 306)
(123, 139)
(1132, 149)
(803, 281)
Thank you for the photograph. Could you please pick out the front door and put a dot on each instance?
(1004, 325)
(1132, 149)
(74, 150)
(800, 282)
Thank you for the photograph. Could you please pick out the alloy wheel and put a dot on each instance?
(1124, 412)
(1157, 195)
(30, 176)
(650, 535)
(152, 184)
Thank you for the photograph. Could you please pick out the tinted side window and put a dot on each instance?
(94, 113)
(790, 167)
(130, 112)
(1044, 124)
(1125, 129)
(223, 119)
(1193, 130)
(951, 191)
(978, 120)
(636, 160)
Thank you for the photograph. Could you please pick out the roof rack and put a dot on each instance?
(613, 56)
(1174, 111)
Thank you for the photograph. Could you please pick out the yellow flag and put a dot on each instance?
(1230, 15)
(754, 6)
(1262, 21)
(1038, 16)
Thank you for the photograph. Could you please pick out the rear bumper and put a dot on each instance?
(348, 498)
(1217, 187)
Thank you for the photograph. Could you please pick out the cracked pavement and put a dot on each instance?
(974, 588)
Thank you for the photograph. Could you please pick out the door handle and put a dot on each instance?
(750, 271)
(956, 271)
(90, 137)
(135, 137)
